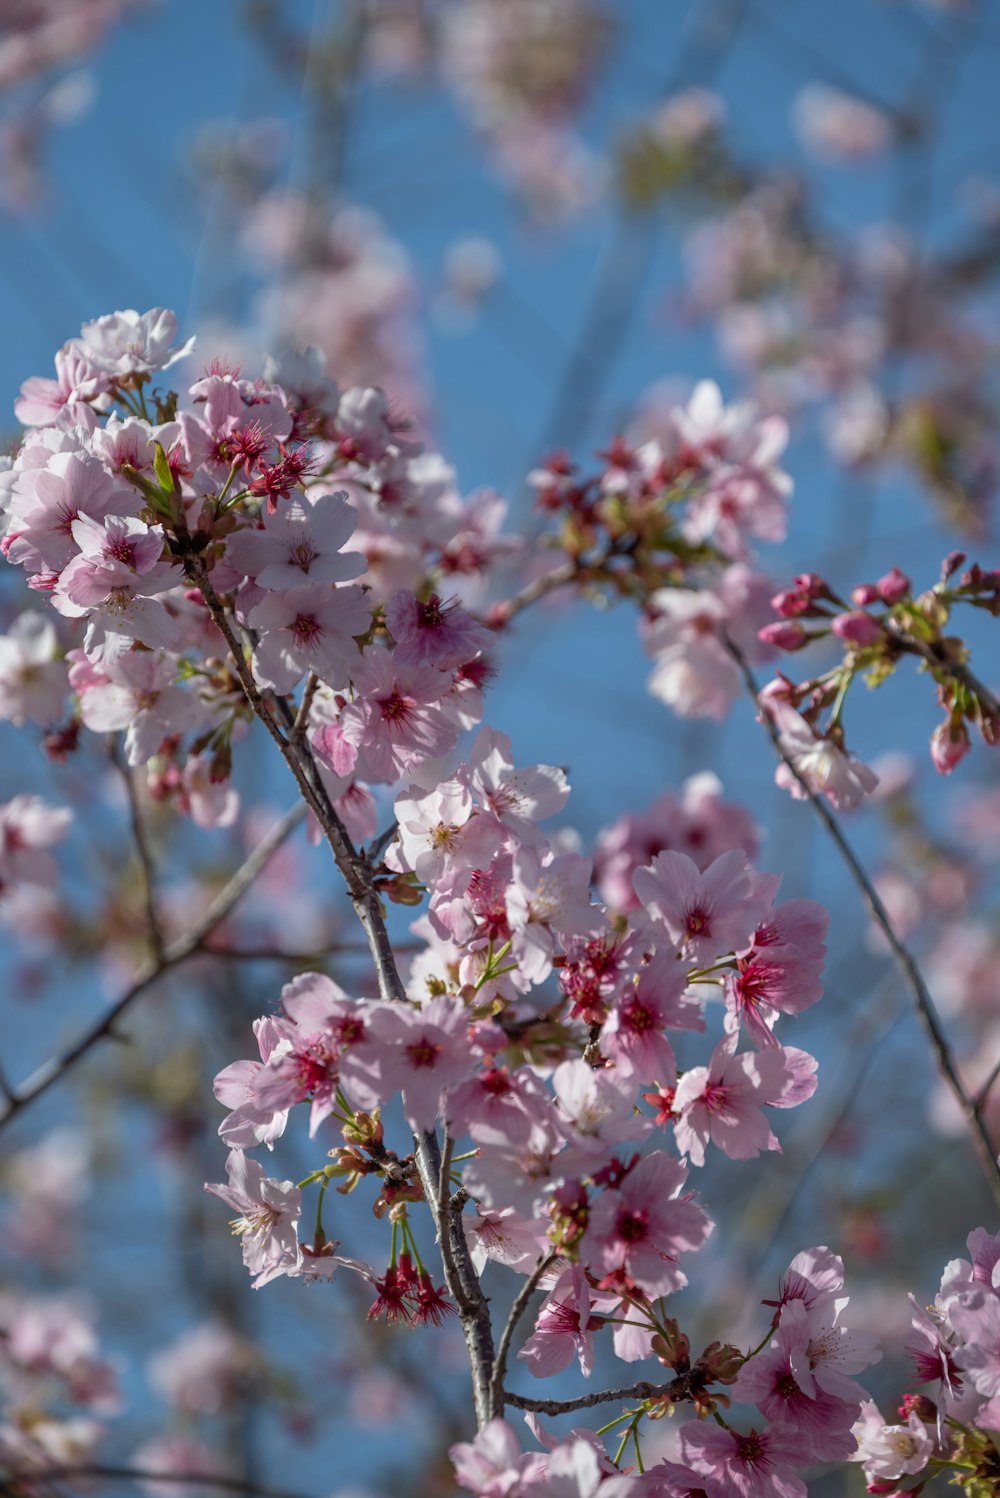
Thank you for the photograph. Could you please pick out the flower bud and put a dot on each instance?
(864, 594)
(786, 634)
(894, 586)
(857, 628)
(949, 744)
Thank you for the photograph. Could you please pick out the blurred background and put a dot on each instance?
(536, 224)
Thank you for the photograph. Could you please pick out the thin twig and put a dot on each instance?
(905, 960)
(143, 853)
(587, 1401)
(943, 664)
(302, 716)
(302, 959)
(517, 1310)
(177, 952)
(34, 1476)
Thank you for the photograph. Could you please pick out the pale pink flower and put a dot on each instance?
(517, 798)
(891, 1451)
(722, 1102)
(434, 633)
(420, 1053)
(268, 1212)
(632, 1035)
(548, 897)
(826, 769)
(209, 801)
(130, 342)
(758, 1464)
(781, 1382)
(394, 722)
(27, 827)
(32, 680)
(707, 914)
(565, 1326)
(139, 695)
(299, 543)
(309, 628)
(67, 399)
(70, 485)
(637, 1229)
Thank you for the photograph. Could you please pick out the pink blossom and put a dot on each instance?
(758, 1464)
(308, 628)
(781, 1383)
(826, 769)
(633, 1032)
(129, 342)
(32, 680)
(698, 823)
(423, 1052)
(517, 798)
(638, 1228)
(891, 1451)
(300, 543)
(27, 827)
(564, 1327)
(48, 502)
(434, 633)
(268, 1211)
(548, 897)
(708, 913)
(395, 720)
(67, 399)
(722, 1102)
(139, 695)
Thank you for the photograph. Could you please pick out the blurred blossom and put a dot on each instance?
(839, 126)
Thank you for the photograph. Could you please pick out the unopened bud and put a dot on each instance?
(857, 628)
(785, 634)
(894, 586)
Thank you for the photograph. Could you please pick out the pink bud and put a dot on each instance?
(857, 627)
(790, 602)
(786, 634)
(864, 594)
(949, 745)
(894, 587)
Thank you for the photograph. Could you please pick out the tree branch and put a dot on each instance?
(20, 1482)
(177, 952)
(517, 1310)
(142, 851)
(356, 872)
(587, 1401)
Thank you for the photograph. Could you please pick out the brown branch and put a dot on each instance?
(172, 956)
(942, 664)
(905, 961)
(145, 857)
(19, 1482)
(517, 1310)
(587, 1401)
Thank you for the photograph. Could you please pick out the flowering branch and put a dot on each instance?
(172, 956)
(355, 868)
(905, 961)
